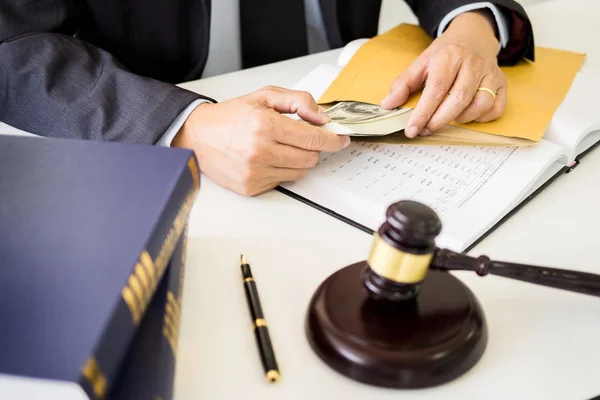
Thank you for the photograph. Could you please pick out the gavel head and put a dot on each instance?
(402, 251)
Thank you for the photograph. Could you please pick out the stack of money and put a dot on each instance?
(362, 119)
(370, 122)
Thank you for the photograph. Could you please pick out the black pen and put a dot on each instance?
(261, 331)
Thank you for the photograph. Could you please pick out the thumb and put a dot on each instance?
(408, 82)
(293, 102)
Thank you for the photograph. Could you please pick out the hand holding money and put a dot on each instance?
(248, 146)
(459, 75)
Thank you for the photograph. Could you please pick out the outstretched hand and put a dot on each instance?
(248, 146)
(459, 75)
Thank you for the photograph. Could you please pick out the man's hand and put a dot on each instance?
(247, 146)
(452, 69)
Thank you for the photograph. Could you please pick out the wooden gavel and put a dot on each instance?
(404, 250)
(398, 319)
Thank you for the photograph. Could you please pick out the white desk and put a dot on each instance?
(544, 343)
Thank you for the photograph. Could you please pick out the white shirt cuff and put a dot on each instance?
(172, 130)
(501, 22)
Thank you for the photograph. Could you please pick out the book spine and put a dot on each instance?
(148, 371)
(99, 371)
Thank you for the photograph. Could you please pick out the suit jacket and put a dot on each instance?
(104, 69)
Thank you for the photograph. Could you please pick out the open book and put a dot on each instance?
(472, 188)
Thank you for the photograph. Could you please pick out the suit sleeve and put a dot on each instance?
(520, 42)
(55, 85)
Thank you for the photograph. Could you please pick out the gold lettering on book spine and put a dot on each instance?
(132, 292)
(173, 304)
(169, 337)
(182, 268)
(174, 233)
(194, 170)
(170, 313)
(91, 371)
(148, 264)
(132, 304)
(147, 285)
(171, 322)
(137, 290)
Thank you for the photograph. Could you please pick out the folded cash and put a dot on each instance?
(362, 119)
(375, 124)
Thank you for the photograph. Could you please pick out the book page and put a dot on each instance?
(588, 141)
(577, 117)
(318, 80)
(6, 129)
(348, 52)
(470, 188)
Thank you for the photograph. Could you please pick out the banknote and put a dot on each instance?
(362, 119)
(352, 112)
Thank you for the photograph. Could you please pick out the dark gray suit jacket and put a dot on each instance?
(105, 69)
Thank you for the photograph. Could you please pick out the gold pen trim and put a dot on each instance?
(249, 280)
(260, 322)
(273, 376)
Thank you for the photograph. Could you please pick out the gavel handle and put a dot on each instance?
(580, 282)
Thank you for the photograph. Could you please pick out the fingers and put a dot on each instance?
(282, 156)
(293, 102)
(307, 137)
(498, 108)
(460, 96)
(440, 79)
(482, 101)
(296, 133)
(248, 147)
(246, 178)
(272, 139)
(402, 87)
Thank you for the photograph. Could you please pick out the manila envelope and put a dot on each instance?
(449, 136)
(535, 89)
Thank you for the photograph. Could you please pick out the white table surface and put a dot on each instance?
(544, 343)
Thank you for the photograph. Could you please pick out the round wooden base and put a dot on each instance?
(419, 343)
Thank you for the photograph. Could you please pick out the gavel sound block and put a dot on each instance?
(399, 319)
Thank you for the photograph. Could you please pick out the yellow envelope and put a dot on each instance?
(449, 136)
(535, 89)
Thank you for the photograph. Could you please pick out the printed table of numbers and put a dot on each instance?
(444, 177)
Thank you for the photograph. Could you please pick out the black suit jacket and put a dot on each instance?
(105, 69)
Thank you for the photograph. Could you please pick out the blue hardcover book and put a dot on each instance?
(149, 368)
(86, 232)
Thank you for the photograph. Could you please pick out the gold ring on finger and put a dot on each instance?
(490, 91)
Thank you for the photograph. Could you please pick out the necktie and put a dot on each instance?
(271, 31)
